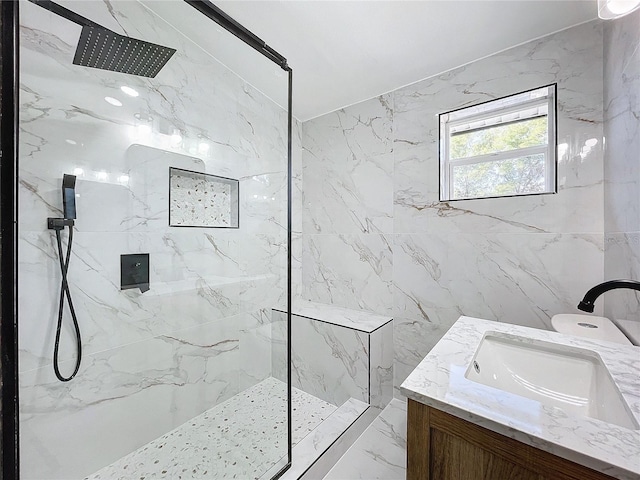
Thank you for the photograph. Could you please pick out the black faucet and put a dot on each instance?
(586, 305)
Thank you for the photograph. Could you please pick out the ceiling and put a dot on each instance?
(343, 52)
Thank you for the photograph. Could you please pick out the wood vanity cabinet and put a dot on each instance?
(441, 446)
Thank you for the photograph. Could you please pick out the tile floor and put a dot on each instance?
(380, 452)
(240, 438)
(236, 439)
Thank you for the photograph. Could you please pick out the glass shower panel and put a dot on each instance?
(179, 249)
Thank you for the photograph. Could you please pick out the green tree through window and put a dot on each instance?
(500, 148)
(516, 176)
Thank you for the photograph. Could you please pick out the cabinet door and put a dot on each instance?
(454, 458)
(441, 446)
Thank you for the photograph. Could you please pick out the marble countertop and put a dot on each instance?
(439, 381)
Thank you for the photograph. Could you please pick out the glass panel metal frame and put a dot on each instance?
(9, 64)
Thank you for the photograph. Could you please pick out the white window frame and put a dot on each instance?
(549, 150)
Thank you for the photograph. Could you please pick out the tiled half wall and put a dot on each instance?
(337, 353)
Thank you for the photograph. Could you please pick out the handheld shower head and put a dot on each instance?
(69, 196)
(59, 225)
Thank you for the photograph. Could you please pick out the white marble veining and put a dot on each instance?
(380, 453)
(182, 293)
(202, 333)
(439, 381)
(296, 210)
(329, 362)
(381, 368)
(524, 279)
(279, 360)
(622, 260)
(333, 357)
(344, 317)
(572, 59)
(533, 255)
(232, 440)
(296, 174)
(348, 170)
(622, 164)
(351, 270)
(622, 128)
(125, 397)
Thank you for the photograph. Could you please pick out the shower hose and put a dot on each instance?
(64, 292)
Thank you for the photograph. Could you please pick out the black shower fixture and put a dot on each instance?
(59, 225)
(69, 196)
(99, 47)
(134, 271)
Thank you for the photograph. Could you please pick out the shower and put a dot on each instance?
(99, 47)
(176, 255)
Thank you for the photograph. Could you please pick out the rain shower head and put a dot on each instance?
(102, 48)
(107, 50)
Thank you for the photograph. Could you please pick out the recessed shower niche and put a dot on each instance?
(202, 200)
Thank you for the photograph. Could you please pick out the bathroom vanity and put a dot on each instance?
(499, 401)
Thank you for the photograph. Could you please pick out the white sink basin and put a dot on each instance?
(572, 379)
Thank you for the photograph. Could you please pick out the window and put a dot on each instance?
(500, 148)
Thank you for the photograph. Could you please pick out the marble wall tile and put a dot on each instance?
(622, 260)
(296, 266)
(192, 282)
(279, 344)
(517, 260)
(254, 348)
(333, 361)
(211, 282)
(348, 170)
(352, 271)
(381, 366)
(622, 162)
(117, 319)
(296, 181)
(573, 60)
(123, 398)
(296, 211)
(344, 317)
(328, 361)
(263, 199)
(514, 278)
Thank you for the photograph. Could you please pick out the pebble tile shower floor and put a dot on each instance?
(240, 438)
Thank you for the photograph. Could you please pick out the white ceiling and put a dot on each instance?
(343, 52)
